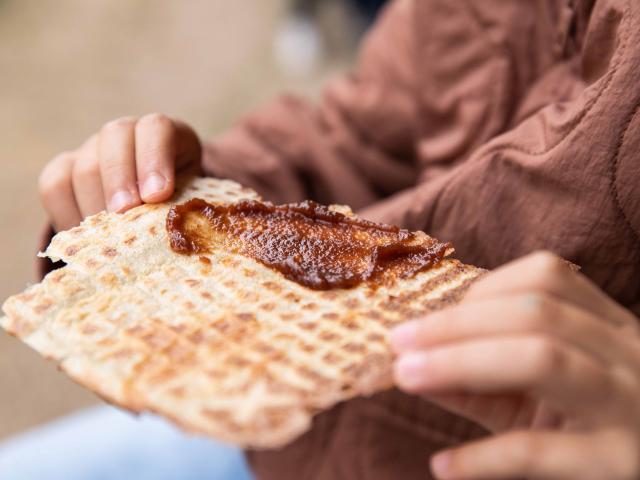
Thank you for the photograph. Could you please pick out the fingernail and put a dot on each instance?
(120, 200)
(410, 369)
(440, 464)
(403, 336)
(153, 184)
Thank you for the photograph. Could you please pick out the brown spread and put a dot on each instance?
(307, 242)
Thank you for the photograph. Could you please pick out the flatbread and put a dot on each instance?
(226, 347)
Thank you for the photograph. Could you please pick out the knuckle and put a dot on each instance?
(458, 462)
(523, 450)
(547, 264)
(54, 175)
(156, 120)
(118, 124)
(114, 172)
(547, 272)
(154, 134)
(545, 358)
(545, 258)
(90, 144)
(86, 167)
(540, 311)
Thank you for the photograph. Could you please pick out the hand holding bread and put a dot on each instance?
(129, 161)
(543, 359)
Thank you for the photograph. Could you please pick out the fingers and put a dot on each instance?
(117, 162)
(139, 158)
(127, 162)
(56, 192)
(162, 146)
(541, 455)
(189, 149)
(156, 151)
(545, 273)
(86, 182)
(514, 314)
(554, 371)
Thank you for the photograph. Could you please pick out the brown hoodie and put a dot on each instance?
(501, 126)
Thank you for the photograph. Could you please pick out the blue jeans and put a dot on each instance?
(104, 443)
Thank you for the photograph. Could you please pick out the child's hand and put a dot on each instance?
(129, 161)
(542, 358)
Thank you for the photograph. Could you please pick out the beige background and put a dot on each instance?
(66, 67)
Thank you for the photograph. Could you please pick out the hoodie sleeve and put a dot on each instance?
(354, 147)
(435, 80)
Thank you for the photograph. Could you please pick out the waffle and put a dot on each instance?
(218, 343)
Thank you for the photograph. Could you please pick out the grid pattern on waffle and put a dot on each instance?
(219, 343)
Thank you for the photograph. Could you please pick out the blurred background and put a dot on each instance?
(68, 66)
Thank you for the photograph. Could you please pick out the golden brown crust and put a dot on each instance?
(217, 342)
